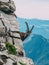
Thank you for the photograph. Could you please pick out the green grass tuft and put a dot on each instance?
(11, 49)
(22, 63)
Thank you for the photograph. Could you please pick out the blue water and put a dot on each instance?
(36, 45)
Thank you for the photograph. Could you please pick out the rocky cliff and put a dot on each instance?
(11, 46)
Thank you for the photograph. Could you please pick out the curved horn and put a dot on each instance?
(27, 26)
(31, 28)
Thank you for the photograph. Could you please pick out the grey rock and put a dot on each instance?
(25, 60)
(15, 35)
(7, 6)
(4, 58)
(10, 21)
(2, 28)
(9, 62)
(9, 40)
(2, 47)
(9, 28)
(1, 63)
(18, 44)
(21, 54)
(15, 63)
(4, 0)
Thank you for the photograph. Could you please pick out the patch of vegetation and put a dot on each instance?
(11, 49)
(22, 63)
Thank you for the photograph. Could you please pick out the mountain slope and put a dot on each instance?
(38, 49)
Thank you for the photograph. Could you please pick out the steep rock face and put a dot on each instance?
(11, 47)
(7, 6)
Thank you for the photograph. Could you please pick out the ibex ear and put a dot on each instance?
(27, 26)
(32, 28)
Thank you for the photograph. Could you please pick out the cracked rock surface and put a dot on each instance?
(11, 46)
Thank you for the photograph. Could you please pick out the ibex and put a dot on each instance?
(25, 35)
